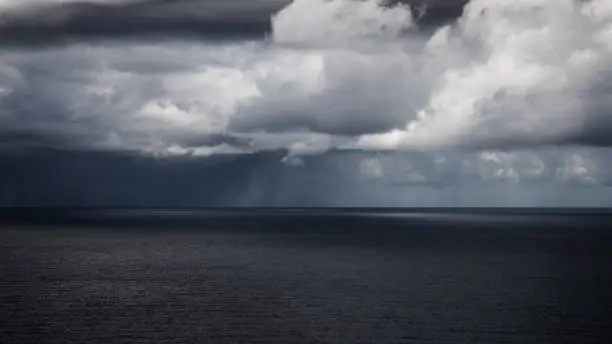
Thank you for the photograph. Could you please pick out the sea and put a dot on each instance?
(305, 275)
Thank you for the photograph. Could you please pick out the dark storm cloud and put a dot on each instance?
(175, 95)
(209, 19)
(50, 177)
(596, 130)
(302, 118)
(430, 14)
(43, 176)
(364, 120)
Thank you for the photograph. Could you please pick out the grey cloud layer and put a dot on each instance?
(211, 19)
(44, 23)
(511, 93)
(352, 81)
(544, 178)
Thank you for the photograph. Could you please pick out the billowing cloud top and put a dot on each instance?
(312, 76)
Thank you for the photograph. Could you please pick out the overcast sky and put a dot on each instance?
(310, 102)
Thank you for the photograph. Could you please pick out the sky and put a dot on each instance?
(189, 103)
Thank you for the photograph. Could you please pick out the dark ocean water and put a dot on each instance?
(305, 276)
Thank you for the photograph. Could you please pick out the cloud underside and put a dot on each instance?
(491, 179)
(52, 22)
(44, 22)
(339, 76)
